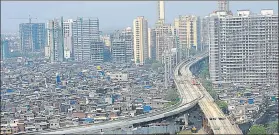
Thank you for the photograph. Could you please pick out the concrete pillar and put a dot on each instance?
(186, 119)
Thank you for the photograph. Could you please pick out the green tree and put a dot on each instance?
(257, 129)
(172, 95)
(138, 61)
(148, 61)
(155, 66)
(213, 94)
(193, 51)
(222, 105)
(273, 128)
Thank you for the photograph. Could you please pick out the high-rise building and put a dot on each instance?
(161, 12)
(55, 40)
(162, 32)
(204, 33)
(96, 51)
(4, 49)
(85, 31)
(189, 31)
(68, 38)
(129, 39)
(32, 37)
(151, 44)
(107, 54)
(140, 31)
(223, 5)
(106, 39)
(243, 49)
(121, 46)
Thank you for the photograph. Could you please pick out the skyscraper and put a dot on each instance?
(189, 31)
(140, 31)
(223, 5)
(204, 32)
(32, 37)
(161, 11)
(162, 32)
(85, 31)
(55, 40)
(4, 49)
(151, 44)
(244, 48)
(68, 38)
(121, 45)
(96, 51)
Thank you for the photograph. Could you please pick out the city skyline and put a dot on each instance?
(121, 68)
(39, 9)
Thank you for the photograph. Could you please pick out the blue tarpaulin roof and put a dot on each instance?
(9, 90)
(146, 108)
(73, 102)
(147, 87)
(89, 119)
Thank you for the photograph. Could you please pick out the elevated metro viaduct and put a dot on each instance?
(214, 120)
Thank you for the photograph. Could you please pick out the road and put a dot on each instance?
(218, 122)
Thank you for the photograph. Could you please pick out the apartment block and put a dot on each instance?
(96, 51)
(68, 37)
(32, 37)
(151, 44)
(121, 46)
(162, 32)
(5, 51)
(243, 49)
(204, 32)
(85, 31)
(55, 40)
(140, 30)
(189, 32)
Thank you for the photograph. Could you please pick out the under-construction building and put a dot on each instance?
(151, 44)
(32, 37)
(223, 5)
(162, 32)
(243, 49)
(189, 32)
(97, 52)
(55, 40)
(122, 46)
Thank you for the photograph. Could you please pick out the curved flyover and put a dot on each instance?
(215, 120)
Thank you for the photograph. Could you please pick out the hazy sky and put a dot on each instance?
(114, 15)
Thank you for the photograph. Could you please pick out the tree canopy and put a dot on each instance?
(193, 51)
(257, 129)
(156, 65)
(273, 128)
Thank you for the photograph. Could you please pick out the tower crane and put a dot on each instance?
(30, 37)
(29, 18)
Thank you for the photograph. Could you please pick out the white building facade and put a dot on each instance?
(140, 30)
(243, 49)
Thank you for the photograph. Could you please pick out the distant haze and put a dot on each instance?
(113, 15)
